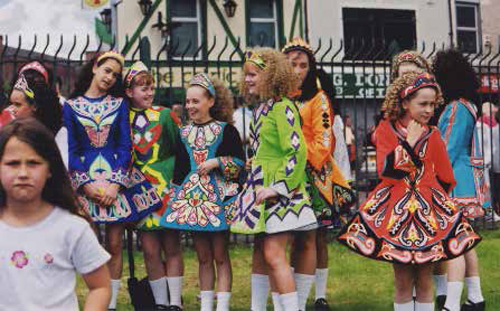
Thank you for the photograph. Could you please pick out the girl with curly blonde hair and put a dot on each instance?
(208, 161)
(409, 219)
(274, 201)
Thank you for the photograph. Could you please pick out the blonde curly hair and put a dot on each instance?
(409, 56)
(222, 109)
(278, 79)
(393, 103)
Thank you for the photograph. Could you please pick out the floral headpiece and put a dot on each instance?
(133, 71)
(22, 85)
(112, 54)
(255, 59)
(298, 44)
(409, 57)
(38, 68)
(423, 80)
(202, 80)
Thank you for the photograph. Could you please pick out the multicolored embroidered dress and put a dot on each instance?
(279, 162)
(409, 217)
(457, 125)
(205, 202)
(330, 192)
(155, 134)
(99, 147)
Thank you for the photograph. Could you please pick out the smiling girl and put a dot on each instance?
(208, 161)
(99, 147)
(408, 219)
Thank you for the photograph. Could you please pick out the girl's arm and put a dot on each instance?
(182, 165)
(98, 283)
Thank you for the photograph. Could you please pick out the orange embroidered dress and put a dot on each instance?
(330, 192)
(409, 217)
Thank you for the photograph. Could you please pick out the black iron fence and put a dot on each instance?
(360, 79)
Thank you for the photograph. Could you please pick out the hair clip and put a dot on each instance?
(22, 85)
(133, 71)
(38, 68)
(256, 59)
(202, 80)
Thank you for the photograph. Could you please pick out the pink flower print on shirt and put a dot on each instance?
(19, 259)
(48, 258)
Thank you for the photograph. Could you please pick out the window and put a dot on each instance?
(185, 27)
(467, 27)
(367, 32)
(262, 25)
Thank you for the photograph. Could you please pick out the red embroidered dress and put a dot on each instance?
(409, 217)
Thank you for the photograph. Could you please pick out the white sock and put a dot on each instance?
(441, 282)
(473, 285)
(207, 300)
(175, 289)
(115, 287)
(159, 289)
(303, 283)
(321, 279)
(276, 302)
(290, 301)
(409, 306)
(420, 306)
(414, 291)
(223, 299)
(453, 294)
(260, 289)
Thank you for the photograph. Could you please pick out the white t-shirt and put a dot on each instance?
(62, 143)
(38, 263)
(242, 116)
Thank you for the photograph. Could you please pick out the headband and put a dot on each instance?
(423, 80)
(133, 71)
(298, 44)
(112, 54)
(36, 66)
(22, 85)
(256, 59)
(202, 80)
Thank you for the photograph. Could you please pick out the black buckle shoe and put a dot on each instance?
(161, 307)
(440, 301)
(470, 306)
(174, 308)
(321, 305)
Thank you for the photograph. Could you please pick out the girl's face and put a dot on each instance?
(23, 172)
(421, 107)
(198, 104)
(141, 95)
(20, 106)
(406, 67)
(253, 75)
(300, 63)
(105, 75)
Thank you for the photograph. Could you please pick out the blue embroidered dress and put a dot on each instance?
(457, 125)
(205, 202)
(99, 147)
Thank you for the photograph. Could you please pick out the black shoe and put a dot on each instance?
(470, 306)
(321, 305)
(161, 307)
(440, 301)
(174, 308)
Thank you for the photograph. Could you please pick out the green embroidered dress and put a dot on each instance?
(279, 162)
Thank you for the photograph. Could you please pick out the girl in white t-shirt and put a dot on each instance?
(42, 240)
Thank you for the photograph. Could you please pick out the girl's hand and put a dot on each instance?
(92, 191)
(248, 165)
(205, 167)
(265, 193)
(415, 130)
(109, 194)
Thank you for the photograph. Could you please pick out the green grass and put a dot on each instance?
(355, 283)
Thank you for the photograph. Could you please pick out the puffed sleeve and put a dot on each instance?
(230, 153)
(78, 174)
(291, 172)
(182, 164)
(319, 147)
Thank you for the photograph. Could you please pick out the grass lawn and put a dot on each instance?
(355, 283)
